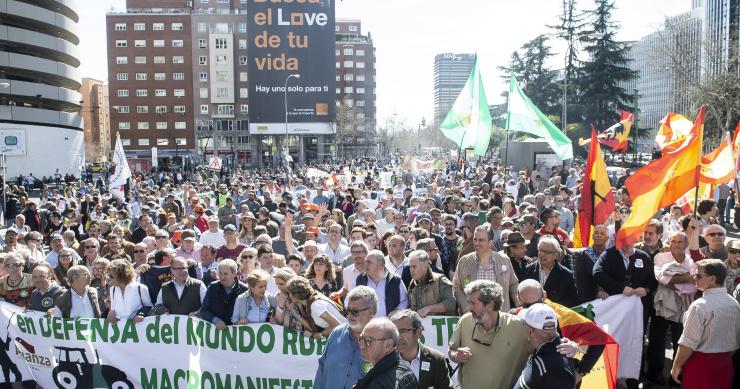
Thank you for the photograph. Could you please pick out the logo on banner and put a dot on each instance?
(74, 370)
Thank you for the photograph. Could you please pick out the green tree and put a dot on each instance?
(570, 26)
(537, 80)
(600, 94)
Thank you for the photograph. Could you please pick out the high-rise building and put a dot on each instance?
(721, 30)
(451, 72)
(178, 76)
(355, 90)
(96, 119)
(40, 126)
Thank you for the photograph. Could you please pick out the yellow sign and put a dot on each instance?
(274, 149)
(332, 148)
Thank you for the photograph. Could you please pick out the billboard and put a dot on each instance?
(286, 38)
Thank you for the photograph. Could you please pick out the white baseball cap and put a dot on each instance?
(541, 317)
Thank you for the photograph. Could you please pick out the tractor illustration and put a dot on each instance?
(73, 370)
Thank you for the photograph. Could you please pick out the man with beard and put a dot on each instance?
(452, 241)
(340, 366)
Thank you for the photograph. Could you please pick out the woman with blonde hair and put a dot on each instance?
(255, 305)
(246, 229)
(128, 298)
(246, 262)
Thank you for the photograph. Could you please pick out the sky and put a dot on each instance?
(408, 34)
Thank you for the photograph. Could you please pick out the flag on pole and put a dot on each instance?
(718, 167)
(616, 136)
(468, 123)
(662, 182)
(674, 128)
(523, 116)
(122, 173)
(736, 145)
(597, 200)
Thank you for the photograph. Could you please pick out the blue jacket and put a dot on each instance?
(219, 306)
(340, 367)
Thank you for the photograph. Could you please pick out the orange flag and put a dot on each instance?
(662, 182)
(718, 167)
(673, 131)
(736, 145)
(597, 200)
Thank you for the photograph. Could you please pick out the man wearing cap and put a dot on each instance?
(170, 206)
(214, 236)
(57, 244)
(515, 248)
(546, 368)
(11, 242)
(424, 221)
(201, 221)
(227, 213)
(189, 247)
(232, 248)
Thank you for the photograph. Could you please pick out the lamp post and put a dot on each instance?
(635, 128)
(418, 134)
(287, 150)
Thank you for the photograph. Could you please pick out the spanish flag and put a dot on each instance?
(585, 332)
(597, 200)
(736, 145)
(662, 182)
(616, 136)
(672, 132)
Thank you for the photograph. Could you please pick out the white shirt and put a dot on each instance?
(379, 289)
(179, 288)
(215, 239)
(349, 276)
(393, 269)
(271, 285)
(127, 302)
(337, 256)
(81, 306)
(414, 364)
(318, 308)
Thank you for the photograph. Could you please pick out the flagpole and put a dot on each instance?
(697, 175)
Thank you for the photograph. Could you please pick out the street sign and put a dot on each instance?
(215, 164)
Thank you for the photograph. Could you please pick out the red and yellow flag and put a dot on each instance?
(616, 136)
(718, 167)
(673, 131)
(585, 332)
(597, 200)
(736, 145)
(662, 182)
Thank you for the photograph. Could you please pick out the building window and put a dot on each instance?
(125, 142)
(176, 26)
(121, 60)
(140, 76)
(243, 44)
(163, 142)
(222, 43)
(337, 65)
(120, 26)
(349, 102)
(244, 108)
(336, 28)
(140, 43)
(122, 109)
(177, 43)
(353, 28)
(243, 76)
(143, 142)
(124, 125)
(360, 90)
(226, 110)
(139, 26)
(122, 76)
(158, 43)
(337, 52)
(221, 28)
(159, 59)
(339, 78)
(203, 76)
(361, 103)
(202, 60)
(222, 76)
(348, 64)
(178, 59)
(178, 92)
(142, 93)
(222, 93)
(361, 65)
(142, 109)
(160, 109)
(122, 92)
(202, 43)
(160, 76)
(243, 93)
(348, 51)
(348, 89)
(160, 92)
(204, 109)
(349, 76)
(242, 27)
(158, 26)
(203, 92)
(121, 43)
(161, 125)
(179, 109)
(360, 53)
(242, 60)
(338, 90)
(202, 27)
(360, 77)
(142, 125)
(222, 60)
(140, 59)
(178, 76)
(181, 141)
(180, 125)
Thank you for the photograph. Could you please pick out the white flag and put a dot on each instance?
(122, 172)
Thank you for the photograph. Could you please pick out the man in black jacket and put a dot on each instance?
(557, 280)
(428, 365)
(218, 303)
(584, 268)
(378, 344)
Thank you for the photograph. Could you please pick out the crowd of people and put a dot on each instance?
(360, 255)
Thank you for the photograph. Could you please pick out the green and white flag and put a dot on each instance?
(468, 123)
(523, 116)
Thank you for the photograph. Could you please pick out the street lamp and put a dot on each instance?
(286, 107)
(418, 134)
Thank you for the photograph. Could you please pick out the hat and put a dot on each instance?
(507, 220)
(515, 237)
(310, 243)
(10, 230)
(541, 317)
(198, 209)
(188, 234)
(434, 210)
(213, 219)
(389, 209)
(734, 245)
(176, 237)
(249, 215)
(230, 227)
(56, 236)
(313, 230)
(308, 216)
(423, 216)
(313, 207)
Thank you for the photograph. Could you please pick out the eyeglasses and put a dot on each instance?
(13, 265)
(368, 340)
(261, 242)
(65, 256)
(733, 251)
(355, 312)
(248, 256)
(161, 237)
(546, 252)
(486, 340)
(715, 234)
(139, 251)
(91, 247)
(404, 231)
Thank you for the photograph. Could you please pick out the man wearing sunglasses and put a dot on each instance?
(341, 364)
(714, 235)
(183, 294)
(378, 343)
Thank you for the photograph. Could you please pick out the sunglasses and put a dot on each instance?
(485, 341)
(248, 256)
(91, 247)
(261, 242)
(161, 237)
(355, 312)
(733, 251)
(139, 251)
(368, 340)
(13, 265)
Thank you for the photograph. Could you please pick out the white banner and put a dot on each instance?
(167, 351)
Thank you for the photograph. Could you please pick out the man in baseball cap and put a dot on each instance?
(546, 368)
